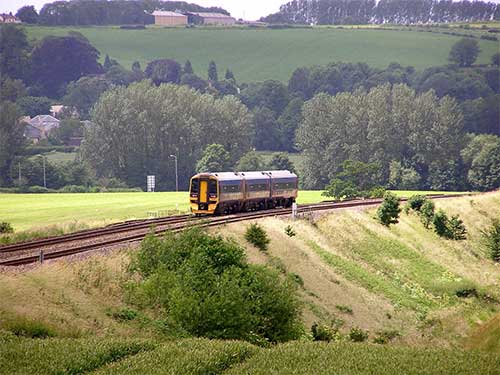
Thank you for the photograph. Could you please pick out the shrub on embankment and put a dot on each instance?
(207, 289)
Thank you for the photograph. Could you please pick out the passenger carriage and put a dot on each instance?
(229, 192)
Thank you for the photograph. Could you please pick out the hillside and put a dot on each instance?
(260, 54)
(355, 272)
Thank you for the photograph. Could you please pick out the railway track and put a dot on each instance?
(132, 232)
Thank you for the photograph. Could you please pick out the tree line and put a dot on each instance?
(338, 12)
(112, 12)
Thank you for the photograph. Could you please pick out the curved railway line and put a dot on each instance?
(134, 231)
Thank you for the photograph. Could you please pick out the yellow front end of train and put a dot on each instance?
(204, 194)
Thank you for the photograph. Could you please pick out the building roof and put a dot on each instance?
(211, 15)
(43, 119)
(163, 13)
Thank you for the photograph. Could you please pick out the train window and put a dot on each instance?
(212, 187)
(284, 186)
(195, 186)
(258, 187)
(231, 188)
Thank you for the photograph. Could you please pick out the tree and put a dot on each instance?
(56, 61)
(215, 159)
(84, 93)
(68, 128)
(194, 82)
(188, 68)
(266, 130)
(229, 75)
(495, 59)
(388, 212)
(464, 52)
(27, 14)
(136, 128)
(288, 123)
(491, 238)
(482, 157)
(282, 162)
(13, 51)
(34, 105)
(250, 162)
(212, 72)
(11, 138)
(269, 94)
(164, 71)
(11, 89)
(427, 213)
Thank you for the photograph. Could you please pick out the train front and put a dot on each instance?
(204, 194)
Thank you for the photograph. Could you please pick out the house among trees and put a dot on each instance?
(9, 18)
(32, 133)
(200, 18)
(165, 18)
(44, 123)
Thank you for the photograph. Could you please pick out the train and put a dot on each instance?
(232, 192)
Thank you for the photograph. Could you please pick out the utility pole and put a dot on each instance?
(44, 174)
(19, 173)
(176, 173)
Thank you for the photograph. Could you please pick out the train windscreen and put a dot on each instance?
(195, 186)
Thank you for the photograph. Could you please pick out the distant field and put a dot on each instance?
(25, 211)
(256, 55)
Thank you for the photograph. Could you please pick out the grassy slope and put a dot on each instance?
(256, 55)
(402, 278)
(71, 211)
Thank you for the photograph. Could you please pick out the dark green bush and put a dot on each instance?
(388, 212)
(491, 238)
(440, 222)
(208, 289)
(257, 236)
(384, 337)
(6, 228)
(415, 203)
(457, 228)
(452, 229)
(427, 213)
(358, 335)
(124, 315)
(289, 231)
(321, 332)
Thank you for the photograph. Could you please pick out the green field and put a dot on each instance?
(218, 357)
(25, 211)
(256, 55)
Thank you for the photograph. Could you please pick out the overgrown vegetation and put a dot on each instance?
(206, 288)
(491, 237)
(257, 236)
(389, 210)
(6, 228)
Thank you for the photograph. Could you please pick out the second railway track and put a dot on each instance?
(130, 232)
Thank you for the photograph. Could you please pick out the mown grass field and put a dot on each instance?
(25, 211)
(256, 55)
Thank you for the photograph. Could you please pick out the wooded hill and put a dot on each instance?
(338, 12)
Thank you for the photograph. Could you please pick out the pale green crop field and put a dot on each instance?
(26, 211)
(260, 54)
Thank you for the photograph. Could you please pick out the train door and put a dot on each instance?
(203, 191)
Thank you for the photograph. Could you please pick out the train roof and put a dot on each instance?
(238, 176)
